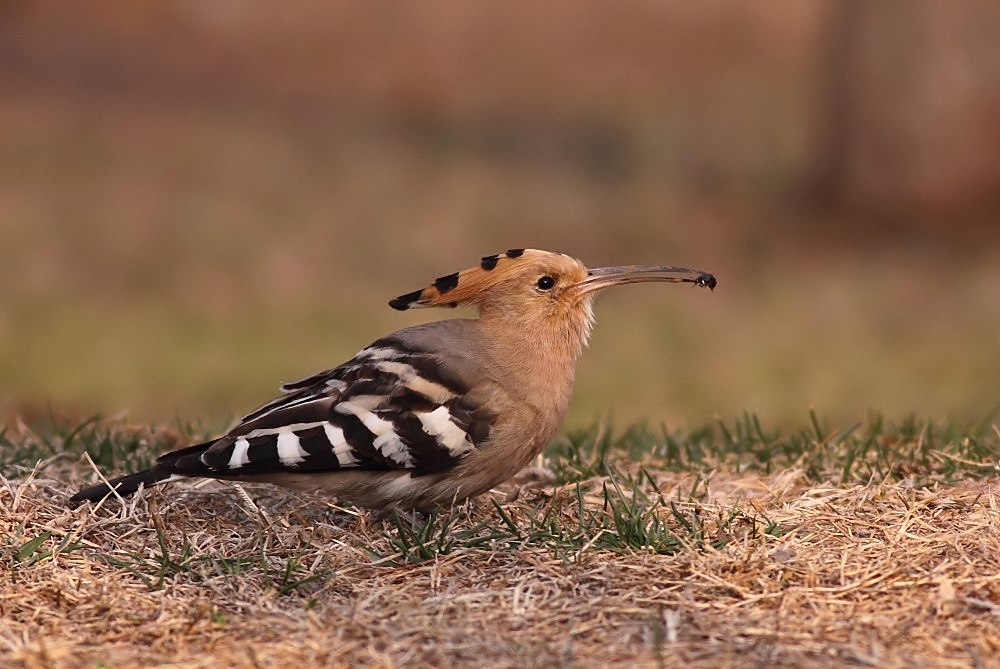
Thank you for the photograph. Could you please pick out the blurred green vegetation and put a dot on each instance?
(196, 204)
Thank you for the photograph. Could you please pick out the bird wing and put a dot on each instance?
(392, 406)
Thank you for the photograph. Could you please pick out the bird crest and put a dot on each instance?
(466, 285)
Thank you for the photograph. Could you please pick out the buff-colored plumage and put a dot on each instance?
(434, 413)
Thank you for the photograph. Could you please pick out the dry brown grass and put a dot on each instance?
(882, 574)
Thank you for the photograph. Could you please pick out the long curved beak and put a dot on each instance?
(603, 277)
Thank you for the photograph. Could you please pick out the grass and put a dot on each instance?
(726, 544)
(873, 450)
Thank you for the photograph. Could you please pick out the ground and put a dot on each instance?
(727, 545)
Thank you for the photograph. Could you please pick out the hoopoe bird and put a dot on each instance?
(432, 414)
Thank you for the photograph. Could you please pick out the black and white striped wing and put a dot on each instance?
(389, 407)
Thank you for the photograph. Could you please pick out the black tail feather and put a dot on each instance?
(168, 459)
(185, 461)
(123, 485)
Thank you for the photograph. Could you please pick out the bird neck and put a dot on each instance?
(535, 354)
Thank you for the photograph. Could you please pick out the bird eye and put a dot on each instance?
(545, 283)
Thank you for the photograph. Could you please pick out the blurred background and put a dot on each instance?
(201, 199)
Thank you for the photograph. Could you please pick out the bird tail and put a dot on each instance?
(169, 467)
(123, 485)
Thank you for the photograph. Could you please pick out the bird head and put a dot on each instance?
(538, 281)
